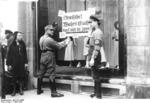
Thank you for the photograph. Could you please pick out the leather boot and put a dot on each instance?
(98, 89)
(39, 86)
(94, 94)
(54, 92)
(14, 90)
(21, 88)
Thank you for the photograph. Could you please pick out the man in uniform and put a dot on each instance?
(10, 38)
(47, 62)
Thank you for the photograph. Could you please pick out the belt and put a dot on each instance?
(43, 51)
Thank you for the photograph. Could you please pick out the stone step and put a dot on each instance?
(79, 81)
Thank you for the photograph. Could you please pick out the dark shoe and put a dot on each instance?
(21, 91)
(39, 92)
(92, 95)
(13, 93)
(56, 95)
(21, 88)
(98, 97)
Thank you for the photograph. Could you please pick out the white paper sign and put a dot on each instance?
(91, 11)
(76, 23)
(61, 13)
(75, 35)
(62, 35)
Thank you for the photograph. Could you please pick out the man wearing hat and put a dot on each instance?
(95, 53)
(47, 62)
(10, 37)
(56, 31)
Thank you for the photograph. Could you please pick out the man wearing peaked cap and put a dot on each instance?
(96, 57)
(48, 46)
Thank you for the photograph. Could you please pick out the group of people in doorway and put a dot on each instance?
(15, 57)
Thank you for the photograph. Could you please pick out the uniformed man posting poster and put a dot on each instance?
(47, 62)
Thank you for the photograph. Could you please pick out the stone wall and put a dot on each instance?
(0, 69)
(26, 24)
(137, 27)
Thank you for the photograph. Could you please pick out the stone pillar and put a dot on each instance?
(137, 27)
(1, 69)
(25, 21)
(26, 24)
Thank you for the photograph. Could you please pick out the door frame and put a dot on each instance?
(122, 39)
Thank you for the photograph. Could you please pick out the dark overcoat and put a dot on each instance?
(17, 58)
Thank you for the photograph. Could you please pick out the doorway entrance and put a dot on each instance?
(112, 11)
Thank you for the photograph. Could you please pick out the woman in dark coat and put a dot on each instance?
(17, 61)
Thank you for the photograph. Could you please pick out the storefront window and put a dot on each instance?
(109, 15)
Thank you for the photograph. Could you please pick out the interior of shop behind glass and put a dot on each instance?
(48, 13)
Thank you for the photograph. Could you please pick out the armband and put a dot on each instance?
(98, 42)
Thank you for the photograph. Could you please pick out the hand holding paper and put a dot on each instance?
(67, 40)
(63, 43)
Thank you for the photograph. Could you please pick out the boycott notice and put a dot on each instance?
(76, 23)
